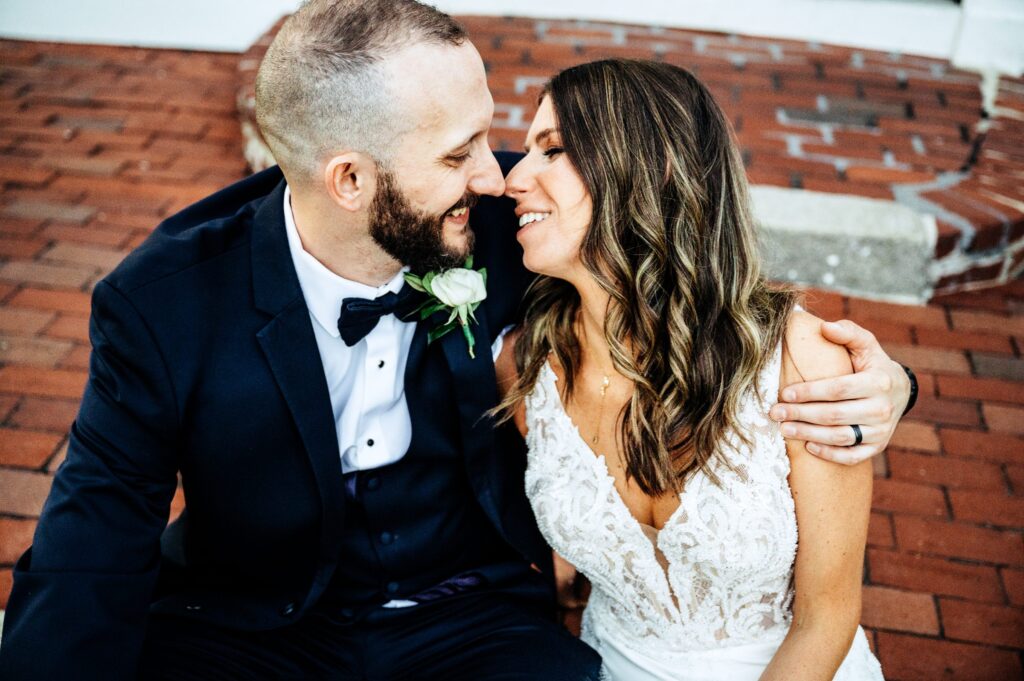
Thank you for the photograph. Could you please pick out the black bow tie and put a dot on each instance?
(359, 315)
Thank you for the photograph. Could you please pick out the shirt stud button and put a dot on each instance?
(380, 365)
(369, 443)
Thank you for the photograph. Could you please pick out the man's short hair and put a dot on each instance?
(321, 87)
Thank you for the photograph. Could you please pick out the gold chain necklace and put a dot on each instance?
(600, 410)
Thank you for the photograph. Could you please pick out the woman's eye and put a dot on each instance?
(551, 152)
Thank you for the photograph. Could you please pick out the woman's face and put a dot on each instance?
(552, 204)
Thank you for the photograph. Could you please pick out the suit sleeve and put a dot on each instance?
(81, 593)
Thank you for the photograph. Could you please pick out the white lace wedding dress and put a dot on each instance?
(706, 598)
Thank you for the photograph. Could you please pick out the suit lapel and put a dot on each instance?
(476, 391)
(290, 347)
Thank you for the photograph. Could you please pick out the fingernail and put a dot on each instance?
(789, 395)
(778, 413)
(788, 431)
(813, 448)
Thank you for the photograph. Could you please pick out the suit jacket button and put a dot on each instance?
(373, 483)
(288, 610)
(386, 538)
(348, 613)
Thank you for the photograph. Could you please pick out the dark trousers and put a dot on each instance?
(477, 636)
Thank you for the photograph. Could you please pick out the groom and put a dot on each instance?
(349, 513)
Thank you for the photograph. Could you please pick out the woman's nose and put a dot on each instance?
(515, 181)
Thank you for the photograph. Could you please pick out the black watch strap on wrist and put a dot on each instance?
(913, 389)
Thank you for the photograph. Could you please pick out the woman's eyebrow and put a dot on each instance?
(541, 136)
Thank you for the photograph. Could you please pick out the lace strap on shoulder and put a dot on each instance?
(544, 391)
(769, 380)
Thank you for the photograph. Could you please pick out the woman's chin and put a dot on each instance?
(539, 265)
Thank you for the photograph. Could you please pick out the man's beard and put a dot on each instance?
(413, 237)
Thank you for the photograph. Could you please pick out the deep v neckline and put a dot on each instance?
(600, 462)
(651, 535)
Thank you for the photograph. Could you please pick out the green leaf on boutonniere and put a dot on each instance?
(415, 282)
(427, 278)
(429, 309)
(434, 334)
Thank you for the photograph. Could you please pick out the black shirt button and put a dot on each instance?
(373, 483)
(288, 610)
(380, 365)
(386, 538)
(369, 443)
(392, 587)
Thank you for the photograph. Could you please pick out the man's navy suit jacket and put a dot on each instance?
(204, 362)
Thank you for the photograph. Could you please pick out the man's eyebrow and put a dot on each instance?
(541, 136)
(467, 142)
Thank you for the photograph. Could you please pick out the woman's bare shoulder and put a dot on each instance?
(505, 363)
(507, 374)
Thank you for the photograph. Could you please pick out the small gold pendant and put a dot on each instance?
(604, 388)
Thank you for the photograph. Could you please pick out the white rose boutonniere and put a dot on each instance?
(459, 287)
(459, 290)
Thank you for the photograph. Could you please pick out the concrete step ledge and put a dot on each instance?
(866, 247)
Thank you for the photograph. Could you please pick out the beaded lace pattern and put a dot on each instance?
(727, 550)
(720, 571)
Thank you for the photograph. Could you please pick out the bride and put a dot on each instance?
(641, 377)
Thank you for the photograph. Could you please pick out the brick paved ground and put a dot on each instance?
(98, 144)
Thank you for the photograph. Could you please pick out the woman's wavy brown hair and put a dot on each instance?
(691, 321)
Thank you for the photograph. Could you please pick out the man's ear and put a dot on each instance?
(349, 179)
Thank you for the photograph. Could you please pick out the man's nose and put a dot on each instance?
(488, 178)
